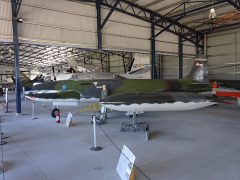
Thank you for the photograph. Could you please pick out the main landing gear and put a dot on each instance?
(101, 116)
(136, 126)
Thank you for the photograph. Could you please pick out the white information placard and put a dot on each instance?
(69, 120)
(125, 163)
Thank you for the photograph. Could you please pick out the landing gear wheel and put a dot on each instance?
(54, 112)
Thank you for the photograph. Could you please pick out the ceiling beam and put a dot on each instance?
(169, 6)
(188, 12)
(109, 14)
(235, 3)
(145, 14)
(221, 28)
(152, 3)
(132, 9)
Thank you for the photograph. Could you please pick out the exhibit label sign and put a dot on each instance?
(125, 163)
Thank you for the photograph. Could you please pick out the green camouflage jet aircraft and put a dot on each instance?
(132, 94)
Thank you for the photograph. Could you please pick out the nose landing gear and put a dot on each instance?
(54, 112)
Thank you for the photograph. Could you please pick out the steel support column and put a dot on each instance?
(124, 65)
(15, 9)
(108, 63)
(160, 67)
(101, 60)
(131, 61)
(99, 32)
(180, 54)
(109, 14)
(153, 51)
(205, 45)
(200, 40)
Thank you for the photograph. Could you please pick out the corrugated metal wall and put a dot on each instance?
(224, 55)
(64, 22)
(5, 21)
(58, 22)
(168, 43)
(125, 32)
(170, 66)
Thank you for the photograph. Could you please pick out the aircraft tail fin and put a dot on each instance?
(199, 70)
(24, 77)
(13, 79)
(37, 78)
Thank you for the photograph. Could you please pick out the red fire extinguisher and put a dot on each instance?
(58, 117)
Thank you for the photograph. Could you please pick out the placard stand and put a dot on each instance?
(6, 100)
(69, 120)
(125, 166)
(33, 110)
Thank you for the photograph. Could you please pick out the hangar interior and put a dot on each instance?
(119, 36)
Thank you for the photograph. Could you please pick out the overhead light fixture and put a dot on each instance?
(212, 13)
(20, 20)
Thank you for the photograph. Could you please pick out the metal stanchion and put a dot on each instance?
(2, 143)
(23, 93)
(33, 110)
(2, 136)
(6, 100)
(1, 170)
(95, 148)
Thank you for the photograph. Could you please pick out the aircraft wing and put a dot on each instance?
(51, 95)
(156, 101)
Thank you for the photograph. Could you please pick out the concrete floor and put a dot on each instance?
(199, 144)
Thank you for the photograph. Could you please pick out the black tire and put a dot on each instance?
(54, 112)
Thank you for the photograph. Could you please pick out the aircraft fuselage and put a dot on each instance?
(92, 88)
